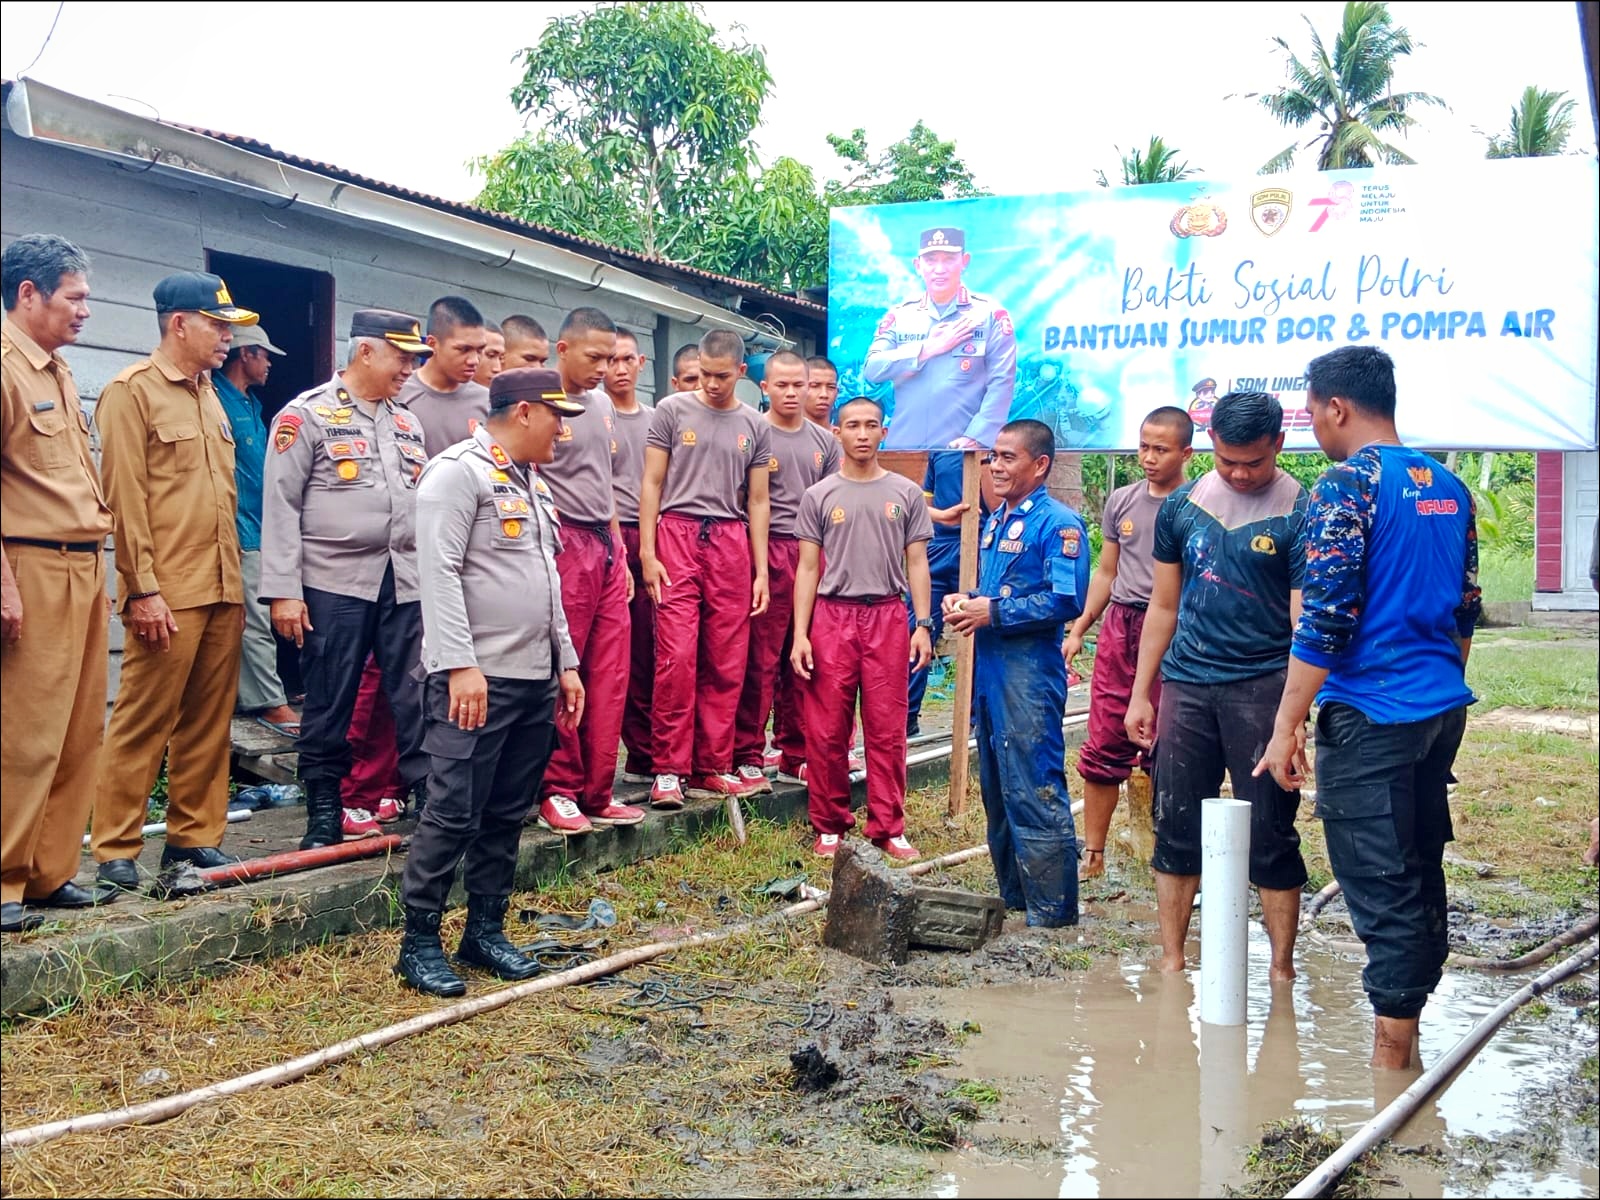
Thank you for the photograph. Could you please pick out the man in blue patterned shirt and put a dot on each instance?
(1390, 601)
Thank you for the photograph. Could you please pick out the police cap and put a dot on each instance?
(536, 385)
(197, 291)
(400, 330)
(946, 237)
(1205, 385)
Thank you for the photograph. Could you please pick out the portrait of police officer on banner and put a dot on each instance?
(951, 355)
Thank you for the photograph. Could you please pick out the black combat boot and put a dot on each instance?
(422, 962)
(324, 814)
(484, 942)
(419, 797)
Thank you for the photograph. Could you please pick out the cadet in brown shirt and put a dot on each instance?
(631, 427)
(166, 452)
(53, 657)
(850, 638)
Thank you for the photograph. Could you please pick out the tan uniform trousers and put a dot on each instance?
(53, 695)
(179, 704)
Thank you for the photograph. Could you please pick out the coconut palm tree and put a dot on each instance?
(1156, 163)
(1540, 125)
(1347, 95)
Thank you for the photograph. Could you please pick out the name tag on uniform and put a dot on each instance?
(1011, 546)
(44, 406)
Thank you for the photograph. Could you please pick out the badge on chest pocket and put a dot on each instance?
(352, 460)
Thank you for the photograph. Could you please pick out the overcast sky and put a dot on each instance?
(1035, 96)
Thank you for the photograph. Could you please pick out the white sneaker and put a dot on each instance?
(753, 779)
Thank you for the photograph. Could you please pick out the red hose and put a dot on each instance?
(301, 860)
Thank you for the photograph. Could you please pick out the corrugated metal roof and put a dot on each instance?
(488, 216)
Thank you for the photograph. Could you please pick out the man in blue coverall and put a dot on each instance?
(1033, 575)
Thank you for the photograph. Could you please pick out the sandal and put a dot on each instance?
(288, 729)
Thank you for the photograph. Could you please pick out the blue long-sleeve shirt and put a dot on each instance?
(249, 456)
(1391, 585)
(1033, 564)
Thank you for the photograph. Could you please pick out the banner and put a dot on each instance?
(1086, 310)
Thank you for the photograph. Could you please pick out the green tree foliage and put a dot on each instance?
(1347, 96)
(920, 166)
(1541, 122)
(1156, 163)
(659, 108)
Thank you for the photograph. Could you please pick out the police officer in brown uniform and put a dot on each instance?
(339, 553)
(55, 519)
(502, 672)
(167, 458)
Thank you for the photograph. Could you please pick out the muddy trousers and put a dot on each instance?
(702, 642)
(344, 631)
(53, 696)
(1019, 697)
(859, 648)
(636, 728)
(177, 703)
(770, 635)
(481, 784)
(1382, 794)
(594, 596)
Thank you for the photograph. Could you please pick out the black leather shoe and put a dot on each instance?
(119, 873)
(324, 814)
(203, 857)
(484, 943)
(422, 963)
(70, 895)
(16, 919)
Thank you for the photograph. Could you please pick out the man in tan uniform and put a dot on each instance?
(53, 656)
(166, 453)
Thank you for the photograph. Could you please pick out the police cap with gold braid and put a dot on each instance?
(400, 330)
(536, 385)
(946, 237)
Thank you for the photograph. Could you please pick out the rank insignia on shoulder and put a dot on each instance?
(1026, 506)
(500, 457)
(1071, 542)
(342, 396)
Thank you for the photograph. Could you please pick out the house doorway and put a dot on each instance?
(296, 308)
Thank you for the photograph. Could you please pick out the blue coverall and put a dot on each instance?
(1033, 564)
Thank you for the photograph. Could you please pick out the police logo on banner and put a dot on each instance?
(1269, 209)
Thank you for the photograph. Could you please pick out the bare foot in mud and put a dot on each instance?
(1093, 865)
(1281, 974)
(1172, 966)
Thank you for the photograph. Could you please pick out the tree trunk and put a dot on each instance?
(1066, 480)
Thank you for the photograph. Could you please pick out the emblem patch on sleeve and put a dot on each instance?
(285, 433)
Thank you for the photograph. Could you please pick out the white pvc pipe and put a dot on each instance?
(1225, 916)
(235, 815)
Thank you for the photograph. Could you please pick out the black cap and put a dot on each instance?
(946, 237)
(196, 291)
(399, 329)
(1205, 385)
(536, 385)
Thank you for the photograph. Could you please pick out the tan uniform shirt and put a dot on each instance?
(339, 502)
(491, 594)
(166, 456)
(49, 488)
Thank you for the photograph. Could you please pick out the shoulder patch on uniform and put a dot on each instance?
(887, 323)
(1071, 541)
(1002, 321)
(286, 431)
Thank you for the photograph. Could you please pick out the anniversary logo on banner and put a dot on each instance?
(1087, 310)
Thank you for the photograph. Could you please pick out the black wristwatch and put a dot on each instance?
(924, 622)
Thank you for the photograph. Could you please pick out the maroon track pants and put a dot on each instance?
(769, 651)
(702, 643)
(858, 649)
(1108, 756)
(594, 595)
(636, 729)
(374, 760)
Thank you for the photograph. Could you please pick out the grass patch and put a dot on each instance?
(1534, 676)
(1505, 576)
(1290, 1150)
(978, 1092)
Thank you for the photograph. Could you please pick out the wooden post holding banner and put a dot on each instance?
(961, 720)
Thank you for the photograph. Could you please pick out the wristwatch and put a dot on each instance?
(924, 622)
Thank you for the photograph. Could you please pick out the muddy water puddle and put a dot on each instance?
(1111, 1085)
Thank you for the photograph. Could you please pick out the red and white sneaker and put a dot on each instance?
(714, 787)
(798, 775)
(826, 845)
(666, 792)
(858, 761)
(772, 759)
(359, 823)
(617, 814)
(897, 847)
(561, 814)
(389, 809)
(753, 779)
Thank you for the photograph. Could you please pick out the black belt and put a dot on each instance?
(861, 599)
(63, 547)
